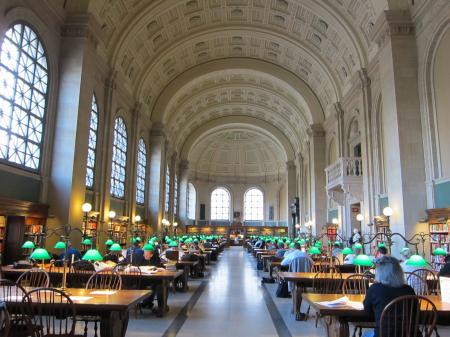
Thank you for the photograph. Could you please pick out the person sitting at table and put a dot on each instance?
(390, 284)
(406, 254)
(151, 258)
(270, 245)
(258, 243)
(71, 251)
(381, 251)
(135, 254)
(337, 252)
(356, 237)
(296, 254)
(445, 270)
(280, 252)
(350, 257)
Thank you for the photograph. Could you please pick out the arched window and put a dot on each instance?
(220, 204)
(119, 159)
(23, 92)
(92, 144)
(254, 204)
(141, 172)
(191, 201)
(175, 194)
(167, 196)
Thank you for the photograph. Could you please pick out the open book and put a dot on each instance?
(342, 302)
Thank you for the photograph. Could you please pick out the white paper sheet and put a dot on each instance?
(336, 303)
(103, 292)
(445, 288)
(80, 298)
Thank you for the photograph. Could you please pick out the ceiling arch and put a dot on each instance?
(238, 123)
(236, 152)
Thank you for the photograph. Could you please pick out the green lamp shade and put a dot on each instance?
(28, 245)
(358, 246)
(347, 250)
(93, 255)
(318, 244)
(292, 245)
(87, 242)
(109, 242)
(173, 244)
(314, 251)
(363, 260)
(440, 251)
(60, 245)
(381, 244)
(149, 247)
(40, 254)
(115, 247)
(416, 261)
(137, 239)
(337, 243)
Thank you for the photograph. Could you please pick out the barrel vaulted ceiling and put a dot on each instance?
(278, 64)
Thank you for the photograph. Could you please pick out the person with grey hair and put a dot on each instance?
(406, 254)
(389, 284)
(350, 257)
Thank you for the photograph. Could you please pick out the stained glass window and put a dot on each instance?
(119, 159)
(23, 96)
(141, 171)
(175, 194)
(220, 204)
(254, 204)
(92, 144)
(167, 196)
(191, 201)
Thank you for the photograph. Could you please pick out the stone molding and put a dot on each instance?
(392, 23)
(81, 26)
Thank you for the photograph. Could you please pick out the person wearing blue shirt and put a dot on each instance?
(289, 257)
(135, 254)
(71, 251)
(280, 252)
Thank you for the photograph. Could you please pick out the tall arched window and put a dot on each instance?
(167, 196)
(254, 204)
(220, 204)
(175, 194)
(191, 201)
(119, 159)
(92, 144)
(141, 172)
(23, 92)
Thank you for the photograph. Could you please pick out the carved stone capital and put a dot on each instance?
(290, 164)
(158, 130)
(184, 165)
(392, 23)
(364, 78)
(82, 26)
(316, 130)
(339, 112)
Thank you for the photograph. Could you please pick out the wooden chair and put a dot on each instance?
(4, 320)
(326, 283)
(432, 280)
(37, 278)
(49, 312)
(418, 283)
(358, 284)
(172, 255)
(102, 280)
(408, 316)
(10, 291)
(80, 272)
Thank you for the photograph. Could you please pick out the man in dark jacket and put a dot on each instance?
(445, 270)
(151, 258)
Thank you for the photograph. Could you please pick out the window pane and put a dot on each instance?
(254, 205)
(167, 196)
(175, 194)
(220, 204)
(92, 144)
(119, 159)
(140, 175)
(191, 201)
(23, 91)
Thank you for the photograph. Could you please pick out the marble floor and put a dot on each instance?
(229, 301)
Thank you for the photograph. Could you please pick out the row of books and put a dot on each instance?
(439, 227)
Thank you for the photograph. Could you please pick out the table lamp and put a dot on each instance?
(115, 247)
(416, 261)
(92, 255)
(347, 250)
(28, 245)
(109, 242)
(440, 251)
(362, 260)
(60, 245)
(314, 250)
(87, 242)
(40, 254)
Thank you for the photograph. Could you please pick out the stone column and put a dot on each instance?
(397, 61)
(291, 191)
(317, 174)
(183, 190)
(339, 114)
(172, 196)
(70, 145)
(133, 137)
(157, 176)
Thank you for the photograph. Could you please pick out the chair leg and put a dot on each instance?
(85, 328)
(95, 329)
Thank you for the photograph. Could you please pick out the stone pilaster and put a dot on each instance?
(183, 170)
(291, 191)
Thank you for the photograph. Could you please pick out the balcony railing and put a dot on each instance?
(244, 223)
(344, 170)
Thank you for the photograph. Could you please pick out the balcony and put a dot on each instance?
(345, 176)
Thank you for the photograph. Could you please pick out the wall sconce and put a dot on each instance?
(360, 218)
(137, 219)
(111, 216)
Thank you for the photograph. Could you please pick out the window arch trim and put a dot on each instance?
(118, 172)
(259, 209)
(228, 213)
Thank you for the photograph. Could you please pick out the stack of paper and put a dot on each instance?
(342, 302)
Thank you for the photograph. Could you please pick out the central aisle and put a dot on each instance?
(232, 304)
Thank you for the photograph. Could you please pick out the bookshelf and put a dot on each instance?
(332, 232)
(439, 225)
(90, 225)
(381, 227)
(2, 232)
(118, 230)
